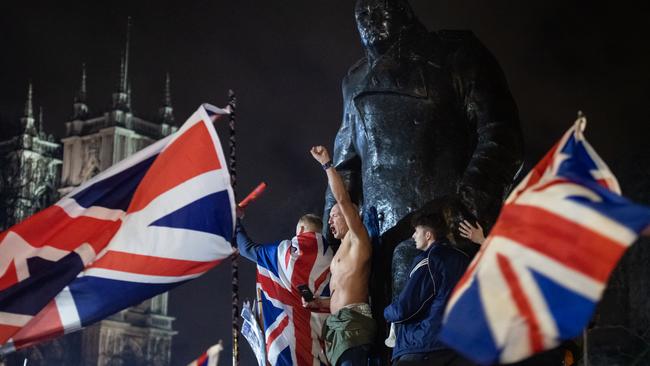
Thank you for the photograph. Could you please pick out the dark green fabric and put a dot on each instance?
(346, 329)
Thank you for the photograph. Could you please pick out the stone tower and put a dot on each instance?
(31, 167)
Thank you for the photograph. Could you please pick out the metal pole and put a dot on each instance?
(232, 102)
(585, 347)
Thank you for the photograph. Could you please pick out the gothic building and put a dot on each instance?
(37, 171)
(95, 142)
(30, 165)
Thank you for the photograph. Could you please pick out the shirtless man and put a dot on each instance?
(350, 330)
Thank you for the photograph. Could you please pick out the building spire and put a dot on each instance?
(121, 97)
(125, 60)
(81, 95)
(27, 121)
(121, 86)
(29, 111)
(39, 125)
(128, 96)
(166, 111)
(167, 102)
(80, 108)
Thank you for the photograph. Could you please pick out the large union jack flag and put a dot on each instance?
(545, 264)
(159, 218)
(292, 332)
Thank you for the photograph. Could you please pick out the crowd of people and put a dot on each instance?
(416, 314)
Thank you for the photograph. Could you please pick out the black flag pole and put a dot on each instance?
(232, 103)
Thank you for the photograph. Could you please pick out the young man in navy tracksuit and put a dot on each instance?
(418, 311)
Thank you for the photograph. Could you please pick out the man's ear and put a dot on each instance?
(302, 229)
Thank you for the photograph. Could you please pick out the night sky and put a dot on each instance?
(285, 59)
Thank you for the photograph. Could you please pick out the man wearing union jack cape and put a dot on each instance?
(292, 332)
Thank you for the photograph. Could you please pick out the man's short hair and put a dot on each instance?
(312, 221)
(356, 207)
(433, 220)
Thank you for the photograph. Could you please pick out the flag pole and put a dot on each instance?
(260, 321)
(232, 103)
(585, 346)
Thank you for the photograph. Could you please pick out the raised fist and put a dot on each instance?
(321, 154)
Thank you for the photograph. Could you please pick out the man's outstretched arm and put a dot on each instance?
(247, 247)
(352, 218)
(347, 163)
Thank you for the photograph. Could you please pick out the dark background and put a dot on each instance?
(285, 59)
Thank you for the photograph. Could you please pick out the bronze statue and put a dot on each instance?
(426, 115)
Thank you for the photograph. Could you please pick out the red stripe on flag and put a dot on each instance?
(287, 255)
(608, 183)
(53, 227)
(44, 326)
(191, 154)
(203, 360)
(573, 245)
(303, 336)
(276, 332)
(322, 278)
(6, 332)
(305, 263)
(302, 317)
(524, 307)
(149, 265)
(273, 290)
(536, 174)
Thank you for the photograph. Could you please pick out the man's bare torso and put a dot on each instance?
(350, 270)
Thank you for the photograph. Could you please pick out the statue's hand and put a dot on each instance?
(321, 154)
(468, 198)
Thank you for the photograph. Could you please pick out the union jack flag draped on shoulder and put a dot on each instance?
(158, 218)
(544, 266)
(293, 332)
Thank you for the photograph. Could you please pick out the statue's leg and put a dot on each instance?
(380, 280)
(381, 284)
(403, 256)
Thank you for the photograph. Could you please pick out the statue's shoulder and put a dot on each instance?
(355, 74)
(454, 39)
(463, 48)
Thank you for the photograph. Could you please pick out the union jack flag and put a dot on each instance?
(159, 218)
(544, 266)
(292, 332)
(209, 357)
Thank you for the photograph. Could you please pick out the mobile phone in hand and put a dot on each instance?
(305, 292)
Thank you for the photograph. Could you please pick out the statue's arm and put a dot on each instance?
(491, 112)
